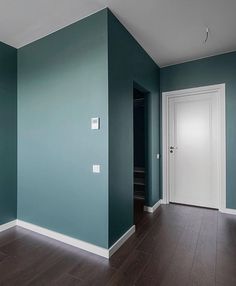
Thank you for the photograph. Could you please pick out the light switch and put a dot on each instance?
(95, 123)
(96, 168)
(158, 156)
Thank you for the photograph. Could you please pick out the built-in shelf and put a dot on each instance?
(139, 170)
(139, 181)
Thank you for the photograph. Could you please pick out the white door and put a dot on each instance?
(192, 149)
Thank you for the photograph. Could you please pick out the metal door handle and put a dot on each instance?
(172, 149)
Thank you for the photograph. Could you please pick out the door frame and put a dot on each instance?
(147, 119)
(221, 169)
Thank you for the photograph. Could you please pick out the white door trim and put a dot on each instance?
(222, 150)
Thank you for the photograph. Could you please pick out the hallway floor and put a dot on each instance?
(178, 245)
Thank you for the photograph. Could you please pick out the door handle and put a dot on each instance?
(172, 149)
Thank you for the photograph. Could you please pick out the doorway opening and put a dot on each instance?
(140, 154)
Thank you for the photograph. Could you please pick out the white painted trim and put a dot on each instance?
(65, 239)
(107, 253)
(7, 225)
(152, 209)
(228, 211)
(121, 241)
(222, 156)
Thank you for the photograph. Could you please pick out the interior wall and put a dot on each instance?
(209, 71)
(8, 142)
(129, 63)
(62, 84)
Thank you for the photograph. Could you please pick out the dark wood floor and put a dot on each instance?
(178, 245)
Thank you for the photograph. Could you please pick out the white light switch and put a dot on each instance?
(95, 123)
(96, 168)
(158, 156)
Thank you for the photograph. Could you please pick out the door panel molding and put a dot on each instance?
(221, 166)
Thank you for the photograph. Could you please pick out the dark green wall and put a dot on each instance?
(213, 70)
(128, 63)
(62, 83)
(8, 126)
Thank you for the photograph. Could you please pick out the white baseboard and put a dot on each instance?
(121, 241)
(65, 239)
(228, 211)
(104, 252)
(152, 209)
(7, 225)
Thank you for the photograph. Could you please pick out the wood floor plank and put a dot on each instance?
(175, 246)
(226, 251)
(204, 266)
(93, 270)
(11, 234)
(68, 280)
(54, 272)
(182, 260)
(143, 229)
(130, 270)
(2, 256)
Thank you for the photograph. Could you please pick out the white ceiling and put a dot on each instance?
(171, 31)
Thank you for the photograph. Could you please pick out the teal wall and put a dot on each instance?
(129, 63)
(62, 83)
(85, 70)
(8, 140)
(213, 70)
